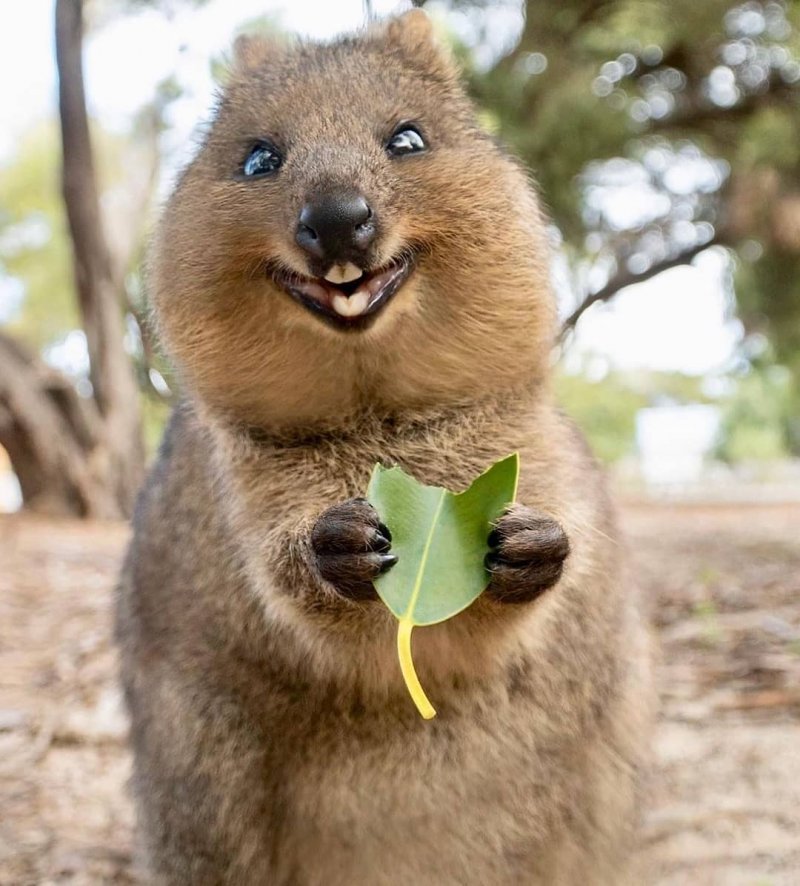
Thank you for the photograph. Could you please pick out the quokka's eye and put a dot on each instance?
(406, 140)
(263, 159)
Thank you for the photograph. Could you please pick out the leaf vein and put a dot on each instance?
(424, 559)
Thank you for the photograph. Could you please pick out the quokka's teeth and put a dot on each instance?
(339, 274)
(353, 306)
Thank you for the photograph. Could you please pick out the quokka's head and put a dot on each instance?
(348, 237)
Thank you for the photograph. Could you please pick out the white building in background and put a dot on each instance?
(674, 442)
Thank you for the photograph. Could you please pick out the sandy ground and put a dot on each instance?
(724, 586)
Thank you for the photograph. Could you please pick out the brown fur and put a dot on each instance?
(274, 739)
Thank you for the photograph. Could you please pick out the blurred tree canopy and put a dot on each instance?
(33, 247)
(756, 414)
(696, 105)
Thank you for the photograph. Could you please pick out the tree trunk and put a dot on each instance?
(113, 381)
(52, 437)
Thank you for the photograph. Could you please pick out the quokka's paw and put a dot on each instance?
(526, 557)
(351, 546)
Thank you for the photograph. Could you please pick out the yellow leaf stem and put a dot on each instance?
(416, 691)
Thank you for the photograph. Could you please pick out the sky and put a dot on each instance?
(645, 327)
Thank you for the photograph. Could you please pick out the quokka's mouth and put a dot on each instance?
(351, 303)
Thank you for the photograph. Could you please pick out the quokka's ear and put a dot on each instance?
(413, 30)
(253, 50)
(413, 34)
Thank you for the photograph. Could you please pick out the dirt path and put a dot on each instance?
(724, 584)
(725, 590)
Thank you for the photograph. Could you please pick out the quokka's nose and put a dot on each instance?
(336, 227)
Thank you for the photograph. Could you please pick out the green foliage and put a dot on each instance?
(155, 413)
(604, 410)
(34, 241)
(769, 300)
(768, 292)
(668, 24)
(770, 138)
(34, 246)
(758, 415)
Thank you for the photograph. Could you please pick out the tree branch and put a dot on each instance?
(93, 269)
(626, 278)
(114, 385)
(700, 111)
(51, 437)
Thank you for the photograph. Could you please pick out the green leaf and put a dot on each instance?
(440, 539)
